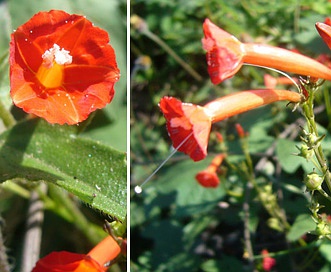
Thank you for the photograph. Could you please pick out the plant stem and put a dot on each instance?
(6, 116)
(4, 265)
(308, 111)
(32, 238)
(166, 48)
(77, 217)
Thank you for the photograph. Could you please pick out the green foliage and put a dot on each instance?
(36, 151)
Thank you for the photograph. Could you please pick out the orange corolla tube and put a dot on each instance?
(208, 177)
(226, 54)
(189, 125)
(108, 249)
(271, 82)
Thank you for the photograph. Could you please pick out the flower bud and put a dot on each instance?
(323, 229)
(313, 181)
(305, 152)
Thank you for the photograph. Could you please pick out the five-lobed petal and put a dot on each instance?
(67, 86)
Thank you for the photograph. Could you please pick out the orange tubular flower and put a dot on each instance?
(226, 54)
(192, 123)
(62, 68)
(208, 177)
(271, 82)
(107, 250)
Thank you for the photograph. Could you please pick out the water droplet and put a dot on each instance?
(65, 104)
(86, 95)
(66, 21)
(58, 94)
(90, 155)
(26, 39)
(31, 31)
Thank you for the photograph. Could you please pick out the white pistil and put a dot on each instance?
(57, 55)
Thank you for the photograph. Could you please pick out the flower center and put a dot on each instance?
(50, 73)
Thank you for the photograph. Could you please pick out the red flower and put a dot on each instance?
(62, 68)
(208, 177)
(268, 263)
(192, 123)
(240, 131)
(325, 32)
(107, 250)
(327, 21)
(226, 54)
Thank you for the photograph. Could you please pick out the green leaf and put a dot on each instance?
(286, 151)
(325, 250)
(302, 224)
(226, 263)
(191, 197)
(37, 151)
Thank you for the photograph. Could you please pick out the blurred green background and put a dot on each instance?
(176, 225)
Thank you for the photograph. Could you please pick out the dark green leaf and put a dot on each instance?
(303, 224)
(37, 151)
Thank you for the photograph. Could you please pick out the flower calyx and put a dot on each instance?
(313, 181)
(305, 151)
(311, 140)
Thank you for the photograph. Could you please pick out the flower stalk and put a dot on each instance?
(308, 111)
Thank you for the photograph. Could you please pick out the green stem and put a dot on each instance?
(308, 109)
(166, 48)
(6, 116)
(93, 233)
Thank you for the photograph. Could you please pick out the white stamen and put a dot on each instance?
(60, 56)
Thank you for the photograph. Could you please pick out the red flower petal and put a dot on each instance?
(184, 119)
(79, 87)
(66, 261)
(268, 263)
(325, 32)
(224, 52)
(207, 179)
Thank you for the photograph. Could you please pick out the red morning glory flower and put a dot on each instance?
(108, 249)
(62, 67)
(189, 125)
(226, 54)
